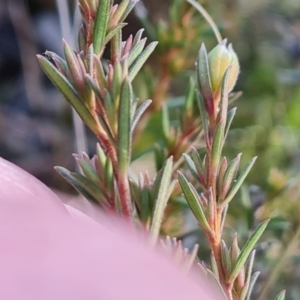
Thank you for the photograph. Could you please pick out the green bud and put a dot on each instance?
(235, 68)
(220, 59)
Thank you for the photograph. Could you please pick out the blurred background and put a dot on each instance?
(37, 132)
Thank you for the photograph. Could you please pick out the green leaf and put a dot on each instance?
(280, 296)
(226, 262)
(101, 156)
(83, 185)
(193, 201)
(90, 60)
(204, 80)
(234, 250)
(141, 59)
(190, 261)
(219, 291)
(116, 84)
(62, 83)
(203, 114)
(214, 266)
(107, 128)
(101, 80)
(162, 199)
(246, 288)
(112, 32)
(165, 122)
(252, 283)
(160, 156)
(124, 130)
(81, 39)
(139, 112)
(137, 37)
(120, 12)
(224, 97)
(221, 173)
(136, 51)
(73, 65)
(229, 176)
(128, 9)
(145, 204)
(217, 145)
(230, 117)
(238, 182)
(116, 46)
(100, 26)
(191, 165)
(109, 176)
(88, 170)
(60, 63)
(247, 249)
(197, 160)
(190, 95)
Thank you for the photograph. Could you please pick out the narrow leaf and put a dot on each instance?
(88, 170)
(190, 95)
(214, 266)
(193, 202)
(119, 12)
(204, 80)
(101, 80)
(162, 199)
(212, 278)
(62, 83)
(224, 97)
(141, 59)
(116, 46)
(245, 289)
(138, 37)
(230, 117)
(165, 122)
(60, 63)
(225, 259)
(197, 160)
(136, 51)
(252, 283)
(204, 117)
(100, 26)
(109, 178)
(145, 204)
(124, 136)
(247, 249)
(128, 9)
(217, 145)
(112, 32)
(280, 296)
(191, 165)
(74, 68)
(139, 112)
(191, 258)
(222, 170)
(84, 186)
(239, 181)
(229, 176)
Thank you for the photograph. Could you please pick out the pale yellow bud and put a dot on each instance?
(235, 68)
(220, 59)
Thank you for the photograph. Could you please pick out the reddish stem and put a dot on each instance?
(124, 194)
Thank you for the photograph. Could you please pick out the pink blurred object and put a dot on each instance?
(50, 251)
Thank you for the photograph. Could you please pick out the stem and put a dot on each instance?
(124, 194)
(208, 18)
